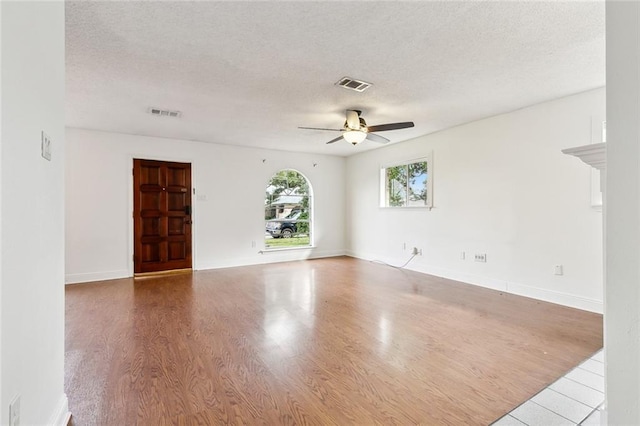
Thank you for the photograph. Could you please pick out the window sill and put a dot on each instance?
(272, 250)
(406, 208)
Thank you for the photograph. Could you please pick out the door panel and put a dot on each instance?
(162, 215)
(150, 226)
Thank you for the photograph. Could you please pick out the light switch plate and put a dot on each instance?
(45, 146)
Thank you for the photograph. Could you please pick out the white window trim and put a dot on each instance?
(383, 181)
(277, 249)
(310, 220)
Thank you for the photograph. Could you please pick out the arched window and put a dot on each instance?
(287, 211)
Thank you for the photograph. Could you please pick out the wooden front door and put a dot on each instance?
(161, 215)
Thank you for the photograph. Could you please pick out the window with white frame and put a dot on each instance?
(407, 184)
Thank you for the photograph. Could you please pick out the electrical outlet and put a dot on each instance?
(558, 270)
(14, 412)
(415, 251)
(463, 255)
(480, 257)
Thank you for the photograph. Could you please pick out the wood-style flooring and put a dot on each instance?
(334, 341)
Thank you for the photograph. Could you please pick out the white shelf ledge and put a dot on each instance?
(594, 155)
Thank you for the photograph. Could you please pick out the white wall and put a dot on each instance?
(32, 213)
(501, 187)
(622, 288)
(1, 141)
(233, 179)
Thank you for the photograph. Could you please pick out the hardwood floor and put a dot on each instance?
(333, 341)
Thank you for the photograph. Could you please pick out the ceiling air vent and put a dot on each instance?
(164, 112)
(352, 84)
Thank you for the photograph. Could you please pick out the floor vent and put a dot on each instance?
(164, 112)
(353, 84)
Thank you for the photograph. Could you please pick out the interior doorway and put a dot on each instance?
(161, 216)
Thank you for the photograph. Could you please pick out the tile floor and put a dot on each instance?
(575, 399)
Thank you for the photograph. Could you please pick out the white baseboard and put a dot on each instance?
(274, 256)
(463, 277)
(319, 254)
(267, 257)
(96, 276)
(564, 299)
(61, 415)
(396, 262)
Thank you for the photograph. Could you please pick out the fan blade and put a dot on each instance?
(320, 128)
(335, 140)
(391, 126)
(353, 119)
(376, 138)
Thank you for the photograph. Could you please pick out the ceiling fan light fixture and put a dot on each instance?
(354, 137)
(355, 129)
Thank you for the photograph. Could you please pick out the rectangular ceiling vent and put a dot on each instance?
(353, 84)
(164, 112)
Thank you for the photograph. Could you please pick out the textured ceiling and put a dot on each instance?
(250, 73)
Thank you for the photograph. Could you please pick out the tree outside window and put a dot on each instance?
(406, 185)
